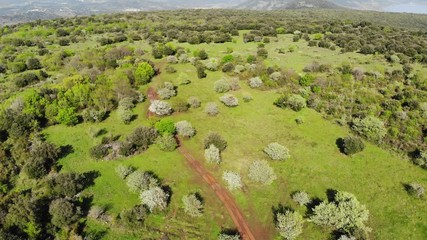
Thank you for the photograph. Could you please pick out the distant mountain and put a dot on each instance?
(287, 4)
(323, 4)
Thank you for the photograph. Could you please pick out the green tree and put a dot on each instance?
(289, 224)
(67, 116)
(165, 126)
(143, 73)
(64, 213)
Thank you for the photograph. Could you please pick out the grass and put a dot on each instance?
(375, 176)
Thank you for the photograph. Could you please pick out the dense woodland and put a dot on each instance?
(49, 77)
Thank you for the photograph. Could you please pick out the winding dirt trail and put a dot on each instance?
(222, 193)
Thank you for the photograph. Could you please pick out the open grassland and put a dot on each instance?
(375, 176)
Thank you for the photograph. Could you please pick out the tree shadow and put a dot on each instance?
(95, 234)
(89, 178)
(230, 231)
(311, 205)
(279, 209)
(199, 197)
(65, 151)
(340, 144)
(331, 193)
(168, 190)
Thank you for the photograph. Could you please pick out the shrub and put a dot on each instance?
(26, 79)
(180, 105)
(216, 140)
(126, 103)
(155, 199)
(160, 108)
(344, 213)
(255, 82)
(167, 143)
(203, 55)
(201, 72)
(165, 126)
(289, 224)
(370, 127)
(124, 171)
(212, 64)
(67, 116)
(166, 93)
(127, 148)
(229, 100)
(233, 180)
(227, 67)
(33, 64)
(185, 129)
(261, 172)
(227, 58)
(421, 160)
(99, 151)
(416, 190)
(63, 212)
(234, 84)
(125, 115)
(143, 73)
(172, 59)
(262, 52)
(352, 145)
(142, 137)
(226, 236)
(276, 151)
(276, 76)
(35, 167)
(296, 102)
(222, 86)
(212, 154)
(211, 109)
(194, 102)
(170, 69)
(141, 181)
(134, 217)
(302, 198)
(193, 206)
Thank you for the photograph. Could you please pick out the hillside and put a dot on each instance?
(287, 4)
(214, 124)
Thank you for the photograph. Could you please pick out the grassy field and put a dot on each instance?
(375, 176)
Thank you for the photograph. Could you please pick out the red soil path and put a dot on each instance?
(222, 193)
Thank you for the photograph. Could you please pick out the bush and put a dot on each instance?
(261, 172)
(216, 140)
(255, 82)
(184, 128)
(212, 154)
(276, 151)
(262, 52)
(180, 105)
(193, 206)
(63, 212)
(226, 236)
(124, 171)
(227, 58)
(134, 217)
(344, 213)
(234, 84)
(166, 93)
(296, 102)
(211, 109)
(203, 55)
(67, 116)
(289, 224)
(233, 180)
(222, 86)
(194, 102)
(352, 145)
(36, 167)
(228, 67)
(201, 72)
(276, 76)
(370, 127)
(141, 181)
(155, 199)
(142, 137)
(17, 67)
(167, 143)
(33, 64)
(229, 100)
(306, 80)
(143, 73)
(165, 126)
(26, 79)
(99, 151)
(160, 108)
(212, 64)
(302, 198)
(416, 190)
(126, 103)
(125, 115)
(172, 60)
(421, 160)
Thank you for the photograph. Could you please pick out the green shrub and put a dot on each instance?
(167, 143)
(99, 151)
(296, 102)
(143, 73)
(276, 151)
(352, 145)
(67, 116)
(165, 126)
(370, 127)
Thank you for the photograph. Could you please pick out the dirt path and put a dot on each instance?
(222, 193)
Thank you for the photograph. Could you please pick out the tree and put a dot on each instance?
(289, 224)
(276, 151)
(156, 199)
(302, 198)
(296, 102)
(212, 154)
(216, 140)
(194, 102)
(261, 172)
(142, 137)
(226, 236)
(134, 217)
(255, 82)
(222, 86)
(201, 72)
(203, 55)
(352, 145)
(167, 143)
(67, 184)
(143, 73)
(64, 213)
(185, 129)
(421, 160)
(139, 181)
(370, 127)
(160, 108)
(193, 206)
(165, 126)
(344, 213)
(233, 180)
(67, 116)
